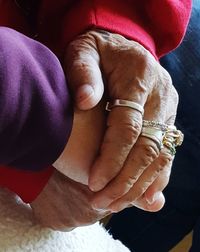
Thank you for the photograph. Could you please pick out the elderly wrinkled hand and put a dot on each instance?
(130, 168)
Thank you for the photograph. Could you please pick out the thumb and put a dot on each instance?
(83, 73)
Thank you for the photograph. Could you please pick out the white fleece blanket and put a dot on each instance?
(19, 233)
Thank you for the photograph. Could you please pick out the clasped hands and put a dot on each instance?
(106, 152)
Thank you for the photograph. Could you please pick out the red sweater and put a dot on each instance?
(159, 25)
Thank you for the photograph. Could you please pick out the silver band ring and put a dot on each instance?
(164, 134)
(124, 103)
(154, 134)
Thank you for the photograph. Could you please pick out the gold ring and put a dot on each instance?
(163, 134)
(172, 138)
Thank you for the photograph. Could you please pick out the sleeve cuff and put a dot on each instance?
(148, 23)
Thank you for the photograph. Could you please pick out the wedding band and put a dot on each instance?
(172, 138)
(170, 146)
(154, 124)
(174, 135)
(154, 134)
(124, 103)
(163, 134)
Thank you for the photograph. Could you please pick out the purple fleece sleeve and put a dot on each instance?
(35, 109)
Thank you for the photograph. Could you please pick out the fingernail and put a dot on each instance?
(96, 186)
(100, 204)
(84, 93)
(154, 198)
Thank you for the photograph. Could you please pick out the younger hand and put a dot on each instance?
(64, 204)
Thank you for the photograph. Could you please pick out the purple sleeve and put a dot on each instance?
(35, 109)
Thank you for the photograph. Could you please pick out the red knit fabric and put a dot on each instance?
(27, 184)
(159, 25)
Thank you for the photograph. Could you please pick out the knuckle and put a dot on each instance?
(116, 194)
(175, 95)
(113, 197)
(129, 200)
(149, 154)
(159, 169)
(165, 177)
(146, 161)
(131, 181)
(122, 187)
(165, 160)
(132, 131)
(167, 77)
(127, 183)
(138, 192)
(137, 125)
(145, 185)
(168, 85)
(164, 75)
(164, 79)
(156, 173)
(145, 59)
(132, 198)
(150, 62)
